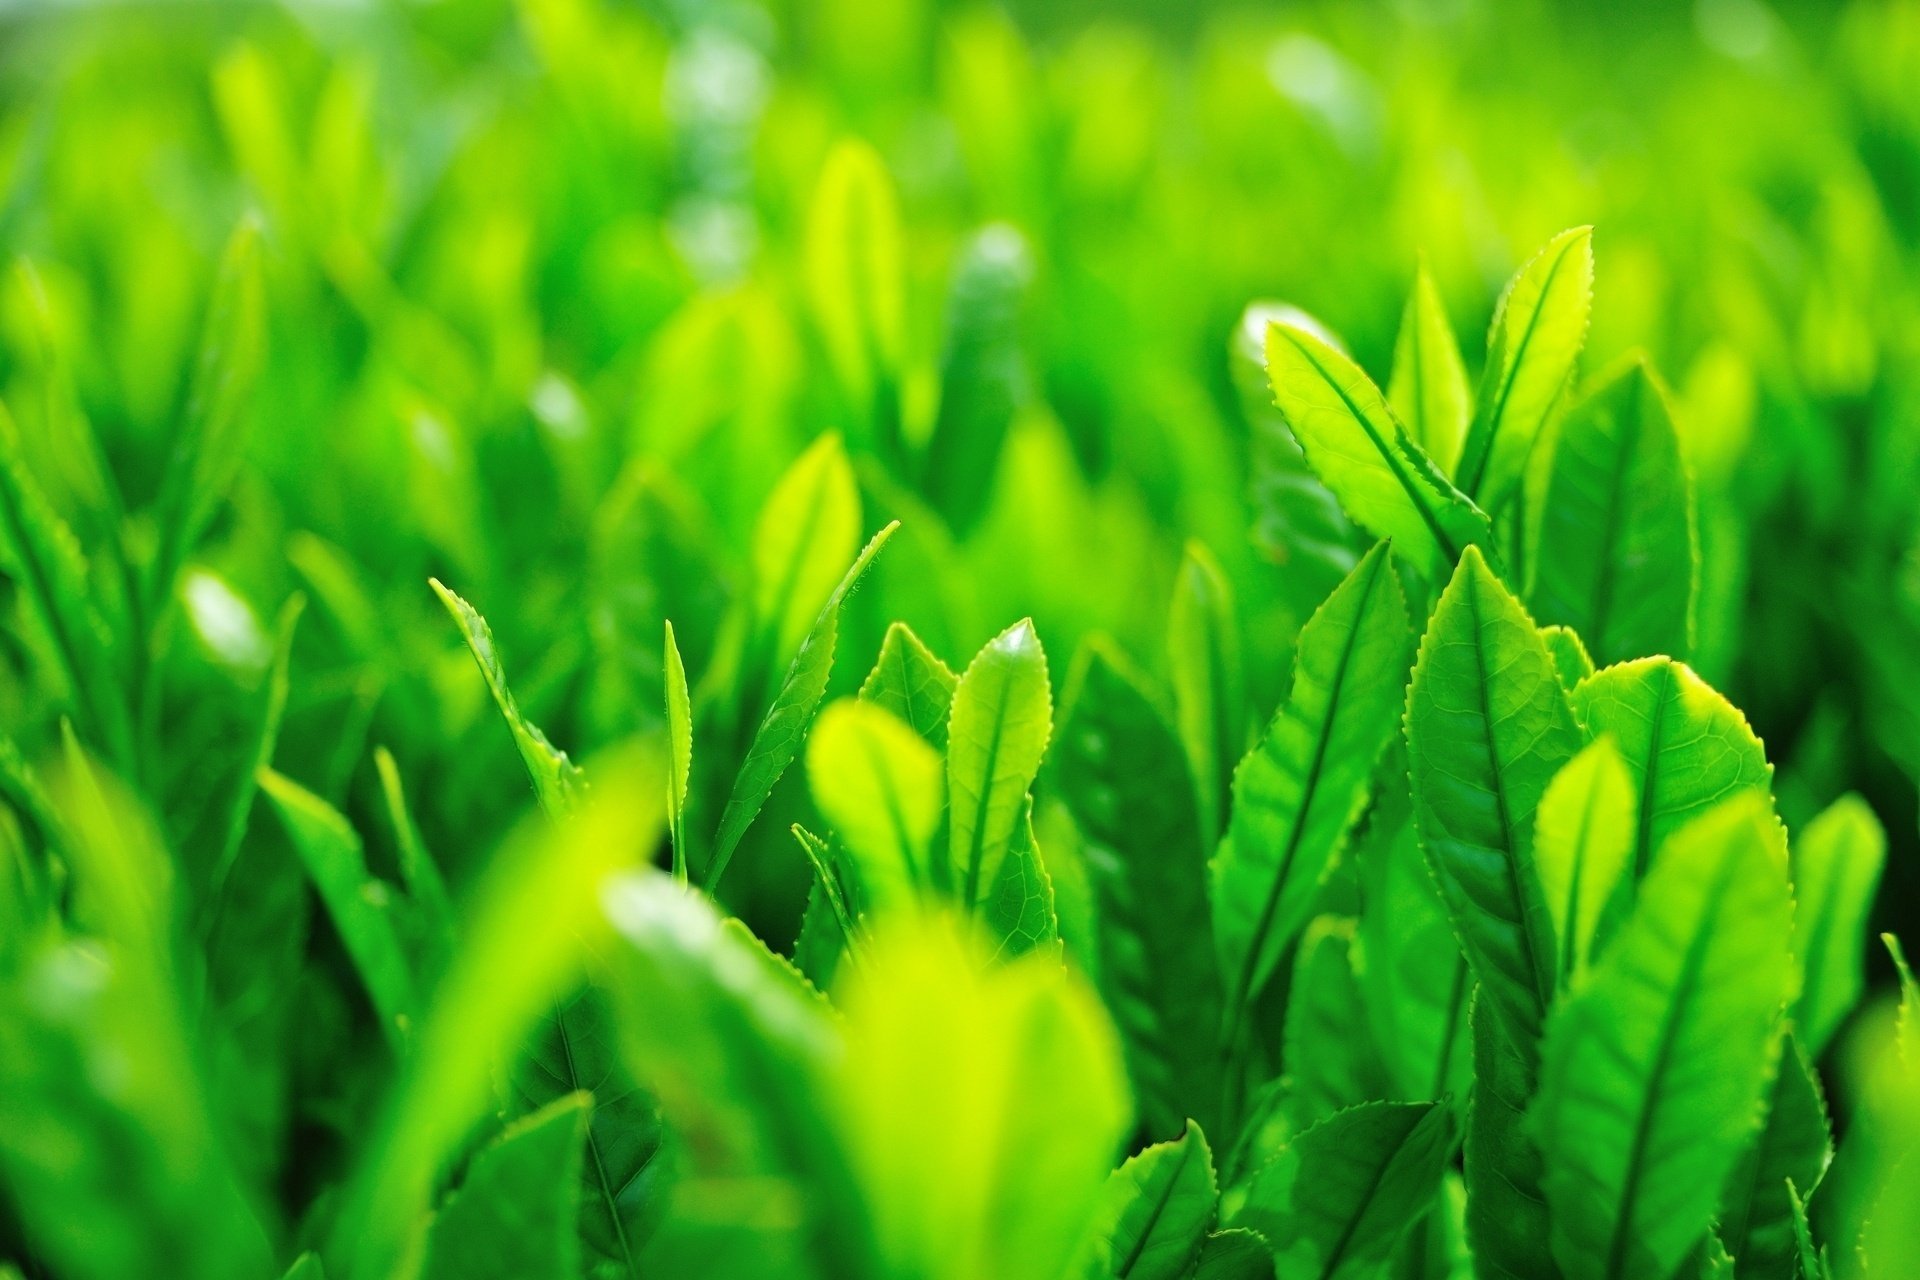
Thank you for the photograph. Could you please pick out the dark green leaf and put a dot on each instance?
(1792, 1149)
(983, 373)
(1154, 1212)
(1617, 554)
(512, 1218)
(1507, 1222)
(1124, 774)
(1836, 869)
(1203, 649)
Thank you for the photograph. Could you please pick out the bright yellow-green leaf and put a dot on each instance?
(1429, 390)
(679, 751)
(1001, 720)
(879, 784)
(1582, 841)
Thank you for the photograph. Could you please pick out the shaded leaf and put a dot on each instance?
(513, 1214)
(1297, 794)
(1617, 554)
(1203, 650)
(1154, 1212)
(1793, 1148)
(1836, 866)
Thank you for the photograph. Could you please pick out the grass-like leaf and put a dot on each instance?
(1429, 389)
(1836, 864)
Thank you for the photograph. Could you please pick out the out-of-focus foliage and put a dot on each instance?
(957, 489)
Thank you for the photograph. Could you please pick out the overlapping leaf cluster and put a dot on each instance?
(703, 648)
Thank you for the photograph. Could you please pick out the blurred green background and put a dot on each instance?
(552, 298)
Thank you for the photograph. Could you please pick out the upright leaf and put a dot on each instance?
(575, 1054)
(879, 784)
(981, 1104)
(1538, 330)
(781, 730)
(1124, 775)
(1792, 1149)
(1002, 716)
(1154, 1212)
(1686, 747)
(1506, 1217)
(679, 752)
(1583, 839)
(1338, 1198)
(512, 1218)
(1203, 649)
(1428, 389)
(1331, 1060)
(1354, 444)
(1653, 1072)
(806, 531)
(1570, 657)
(1617, 553)
(856, 275)
(207, 448)
(1836, 869)
(1297, 794)
(913, 684)
(1487, 728)
(361, 907)
(557, 781)
(1019, 909)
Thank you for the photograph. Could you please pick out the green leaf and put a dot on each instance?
(679, 751)
(362, 907)
(855, 273)
(1354, 444)
(1810, 1263)
(1487, 728)
(1203, 650)
(1337, 1199)
(1506, 1217)
(913, 684)
(1617, 553)
(1583, 839)
(273, 709)
(512, 1217)
(1234, 1254)
(557, 781)
(1570, 656)
(879, 784)
(1002, 717)
(208, 447)
(306, 1267)
(1538, 330)
(534, 915)
(1332, 1062)
(50, 574)
(1123, 773)
(1793, 1148)
(1428, 389)
(807, 530)
(1003, 1175)
(777, 741)
(983, 373)
(1654, 1071)
(1299, 792)
(425, 885)
(1686, 746)
(1019, 909)
(1907, 1021)
(1154, 1212)
(575, 1054)
(1836, 870)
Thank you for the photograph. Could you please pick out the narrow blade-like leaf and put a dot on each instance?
(1429, 389)
(1836, 869)
(1203, 649)
(1582, 842)
(997, 733)
(679, 751)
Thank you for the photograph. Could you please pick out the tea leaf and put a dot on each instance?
(1583, 837)
(913, 684)
(1836, 866)
(1488, 726)
(679, 752)
(1686, 747)
(1383, 480)
(1617, 554)
(1792, 1149)
(1538, 330)
(1339, 1197)
(1002, 716)
(1124, 775)
(880, 786)
(513, 1215)
(1428, 390)
(1654, 1070)
(1203, 649)
(1154, 1212)
(1297, 794)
